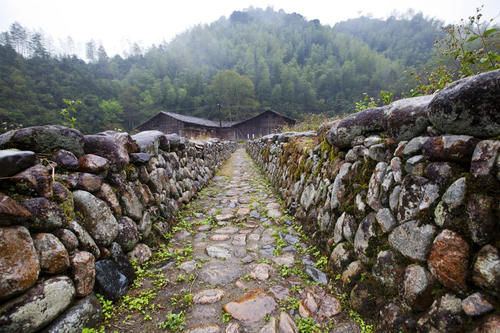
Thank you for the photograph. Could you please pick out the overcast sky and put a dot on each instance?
(118, 23)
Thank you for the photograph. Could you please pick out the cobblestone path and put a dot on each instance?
(235, 263)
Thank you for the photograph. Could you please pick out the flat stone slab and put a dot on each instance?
(208, 296)
(219, 237)
(218, 252)
(220, 273)
(227, 230)
(252, 306)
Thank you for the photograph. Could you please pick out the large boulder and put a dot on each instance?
(360, 123)
(407, 118)
(412, 239)
(19, 265)
(468, 106)
(14, 161)
(150, 141)
(38, 307)
(97, 217)
(87, 312)
(44, 139)
(111, 145)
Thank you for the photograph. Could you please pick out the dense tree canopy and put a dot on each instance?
(252, 60)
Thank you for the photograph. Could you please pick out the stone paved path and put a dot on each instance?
(235, 263)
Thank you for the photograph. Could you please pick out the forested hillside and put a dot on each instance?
(251, 60)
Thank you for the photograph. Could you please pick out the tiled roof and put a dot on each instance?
(192, 120)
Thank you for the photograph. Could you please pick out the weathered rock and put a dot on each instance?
(83, 272)
(122, 261)
(37, 307)
(329, 307)
(128, 235)
(346, 327)
(407, 118)
(445, 315)
(412, 239)
(440, 172)
(307, 196)
(109, 281)
(481, 219)
(19, 265)
(46, 215)
(87, 243)
(386, 220)
(392, 318)
(233, 327)
(68, 238)
(107, 194)
(414, 146)
(363, 240)
(317, 275)
(286, 324)
(490, 324)
(145, 224)
(218, 252)
(378, 152)
(35, 180)
(387, 270)
(52, 254)
(450, 147)
(468, 106)
(340, 257)
(86, 312)
(449, 259)
(111, 145)
(150, 141)
(446, 212)
(141, 253)
(417, 194)
(66, 159)
(15, 161)
(484, 158)
(363, 298)
(373, 195)
(44, 139)
(338, 187)
(93, 163)
(352, 272)
(486, 271)
(260, 272)
(206, 328)
(140, 158)
(253, 306)
(83, 181)
(476, 305)
(11, 212)
(208, 296)
(416, 288)
(360, 123)
(97, 217)
(269, 327)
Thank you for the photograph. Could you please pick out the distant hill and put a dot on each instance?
(283, 61)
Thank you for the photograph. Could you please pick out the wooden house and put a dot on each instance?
(265, 123)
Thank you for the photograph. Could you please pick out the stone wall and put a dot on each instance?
(75, 211)
(404, 200)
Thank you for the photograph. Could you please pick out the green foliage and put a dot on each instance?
(306, 325)
(107, 307)
(69, 112)
(365, 328)
(173, 322)
(467, 48)
(269, 60)
(226, 317)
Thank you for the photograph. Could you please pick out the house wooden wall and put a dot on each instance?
(263, 124)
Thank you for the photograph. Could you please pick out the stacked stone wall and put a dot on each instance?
(76, 210)
(404, 201)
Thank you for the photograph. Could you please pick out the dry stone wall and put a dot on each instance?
(75, 210)
(404, 200)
